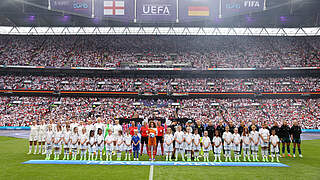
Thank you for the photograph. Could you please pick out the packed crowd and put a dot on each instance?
(21, 111)
(201, 52)
(188, 139)
(288, 84)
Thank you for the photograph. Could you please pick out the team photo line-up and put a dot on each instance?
(91, 140)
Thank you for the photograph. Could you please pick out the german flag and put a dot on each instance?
(198, 11)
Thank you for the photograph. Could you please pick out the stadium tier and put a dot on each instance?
(21, 111)
(285, 84)
(199, 52)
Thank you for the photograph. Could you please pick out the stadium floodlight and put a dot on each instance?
(179, 31)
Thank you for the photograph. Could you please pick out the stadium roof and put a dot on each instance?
(280, 13)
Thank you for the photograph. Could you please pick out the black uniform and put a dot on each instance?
(277, 129)
(231, 129)
(240, 130)
(295, 131)
(285, 134)
(257, 128)
(200, 129)
(210, 130)
(221, 130)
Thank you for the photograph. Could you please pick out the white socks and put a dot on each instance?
(196, 154)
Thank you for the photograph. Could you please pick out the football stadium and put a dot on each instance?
(159, 89)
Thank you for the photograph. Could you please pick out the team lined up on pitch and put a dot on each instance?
(104, 140)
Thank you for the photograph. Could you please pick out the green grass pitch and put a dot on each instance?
(13, 153)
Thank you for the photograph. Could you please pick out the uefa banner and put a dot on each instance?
(122, 10)
(156, 11)
(239, 7)
(80, 7)
(198, 10)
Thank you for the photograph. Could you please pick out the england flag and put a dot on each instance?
(113, 8)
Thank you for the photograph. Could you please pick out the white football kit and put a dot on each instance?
(217, 140)
(34, 133)
(274, 140)
(206, 142)
(196, 142)
(179, 136)
(227, 137)
(168, 138)
(264, 137)
(188, 139)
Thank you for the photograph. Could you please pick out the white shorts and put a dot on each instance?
(168, 148)
(179, 146)
(91, 149)
(48, 147)
(99, 148)
(246, 146)
(74, 146)
(196, 148)
(274, 149)
(119, 148)
(109, 147)
(227, 146)
(65, 146)
(217, 150)
(264, 144)
(208, 149)
(255, 147)
(33, 137)
(236, 147)
(83, 146)
(126, 148)
(188, 147)
(41, 138)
